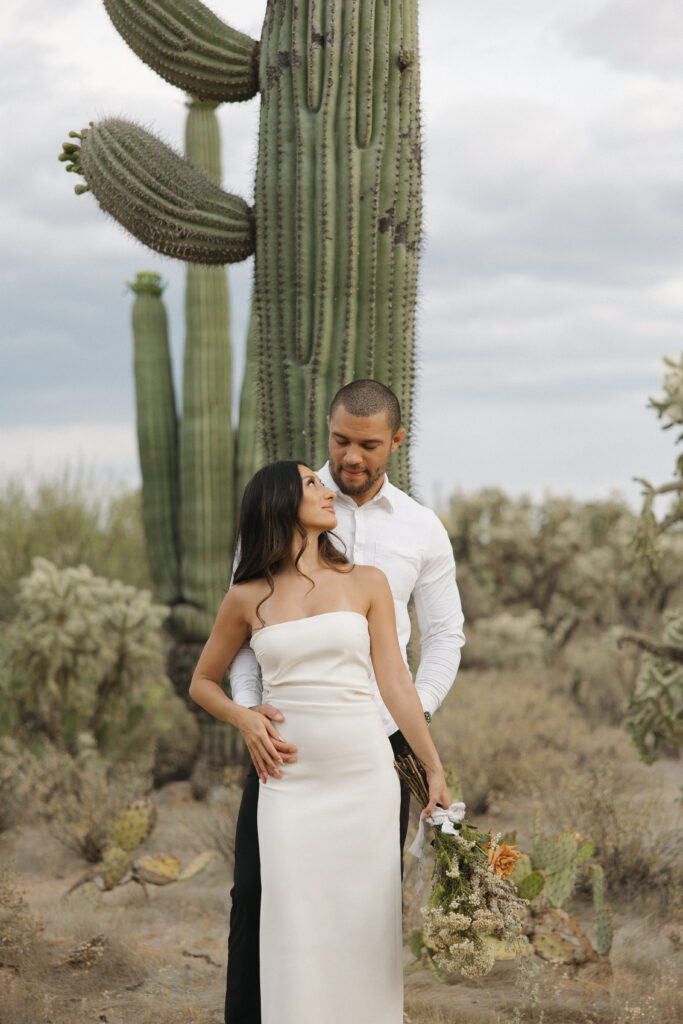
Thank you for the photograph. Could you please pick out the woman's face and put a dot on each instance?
(316, 509)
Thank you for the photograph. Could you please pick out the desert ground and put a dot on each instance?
(157, 955)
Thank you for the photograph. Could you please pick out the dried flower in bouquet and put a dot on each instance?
(472, 895)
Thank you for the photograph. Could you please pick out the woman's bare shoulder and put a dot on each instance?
(369, 577)
(243, 597)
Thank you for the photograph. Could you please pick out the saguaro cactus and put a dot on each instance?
(188, 465)
(157, 436)
(336, 220)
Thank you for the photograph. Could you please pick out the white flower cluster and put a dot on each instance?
(486, 904)
(453, 950)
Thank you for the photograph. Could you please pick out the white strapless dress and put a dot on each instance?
(328, 833)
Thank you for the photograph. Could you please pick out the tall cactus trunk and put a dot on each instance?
(207, 454)
(250, 451)
(157, 428)
(335, 230)
(338, 212)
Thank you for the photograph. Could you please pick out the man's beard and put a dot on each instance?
(364, 485)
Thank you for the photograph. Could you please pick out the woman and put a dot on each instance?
(330, 928)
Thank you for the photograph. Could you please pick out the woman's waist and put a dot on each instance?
(320, 692)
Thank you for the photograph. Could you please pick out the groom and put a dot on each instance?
(381, 526)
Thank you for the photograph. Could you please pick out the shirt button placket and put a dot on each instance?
(359, 537)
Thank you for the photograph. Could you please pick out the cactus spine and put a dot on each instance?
(337, 215)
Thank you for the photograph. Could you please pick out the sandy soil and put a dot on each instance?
(165, 951)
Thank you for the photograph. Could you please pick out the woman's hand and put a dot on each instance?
(438, 791)
(258, 732)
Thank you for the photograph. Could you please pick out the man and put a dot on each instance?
(381, 526)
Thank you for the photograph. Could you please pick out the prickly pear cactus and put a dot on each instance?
(604, 927)
(531, 886)
(158, 870)
(134, 826)
(165, 869)
(336, 221)
(115, 866)
(551, 872)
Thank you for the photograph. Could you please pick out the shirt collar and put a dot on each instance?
(385, 496)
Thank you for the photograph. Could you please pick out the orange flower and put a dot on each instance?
(503, 858)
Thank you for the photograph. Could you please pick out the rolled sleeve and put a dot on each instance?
(245, 678)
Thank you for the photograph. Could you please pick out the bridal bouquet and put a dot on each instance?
(472, 895)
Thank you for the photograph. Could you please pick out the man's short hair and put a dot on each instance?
(367, 398)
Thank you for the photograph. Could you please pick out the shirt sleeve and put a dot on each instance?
(245, 678)
(440, 618)
(246, 686)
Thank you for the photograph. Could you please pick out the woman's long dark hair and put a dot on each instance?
(268, 523)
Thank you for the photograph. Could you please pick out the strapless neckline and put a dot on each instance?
(305, 618)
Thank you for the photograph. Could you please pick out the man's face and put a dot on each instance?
(359, 450)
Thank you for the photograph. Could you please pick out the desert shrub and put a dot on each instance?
(508, 641)
(69, 521)
(637, 840)
(78, 655)
(15, 782)
(167, 735)
(599, 676)
(80, 797)
(18, 926)
(570, 560)
(501, 731)
(218, 830)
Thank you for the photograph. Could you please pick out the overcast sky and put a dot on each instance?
(552, 274)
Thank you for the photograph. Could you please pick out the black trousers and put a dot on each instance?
(243, 991)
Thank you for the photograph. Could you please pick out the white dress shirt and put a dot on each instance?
(410, 545)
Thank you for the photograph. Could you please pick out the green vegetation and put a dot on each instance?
(336, 222)
(656, 709)
(70, 521)
(77, 658)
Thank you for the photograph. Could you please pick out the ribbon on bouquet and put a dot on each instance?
(441, 817)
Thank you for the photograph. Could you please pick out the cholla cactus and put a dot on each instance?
(655, 712)
(656, 709)
(78, 651)
(670, 409)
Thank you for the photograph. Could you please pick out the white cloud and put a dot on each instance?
(108, 448)
(552, 280)
(636, 36)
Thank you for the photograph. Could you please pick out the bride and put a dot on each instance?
(328, 836)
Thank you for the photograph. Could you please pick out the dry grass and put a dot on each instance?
(629, 812)
(501, 731)
(47, 987)
(81, 798)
